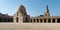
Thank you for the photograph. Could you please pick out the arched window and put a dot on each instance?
(58, 20)
(41, 20)
(26, 19)
(34, 20)
(37, 20)
(11, 19)
(44, 20)
(49, 20)
(53, 20)
(21, 11)
(16, 19)
(31, 20)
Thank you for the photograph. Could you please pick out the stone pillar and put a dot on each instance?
(36, 20)
(39, 20)
(14, 19)
(46, 20)
(19, 21)
(51, 20)
(30, 20)
(42, 20)
(55, 20)
(33, 20)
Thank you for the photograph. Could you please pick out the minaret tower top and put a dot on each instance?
(47, 11)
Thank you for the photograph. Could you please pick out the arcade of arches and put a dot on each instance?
(53, 20)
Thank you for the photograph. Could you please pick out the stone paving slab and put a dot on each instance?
(29, 26)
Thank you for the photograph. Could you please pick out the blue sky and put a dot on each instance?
(33, 7)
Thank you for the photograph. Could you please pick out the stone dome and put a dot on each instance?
(22, 10)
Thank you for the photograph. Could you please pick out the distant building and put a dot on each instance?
(22, 17)
(46, 18)
(5, 18)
